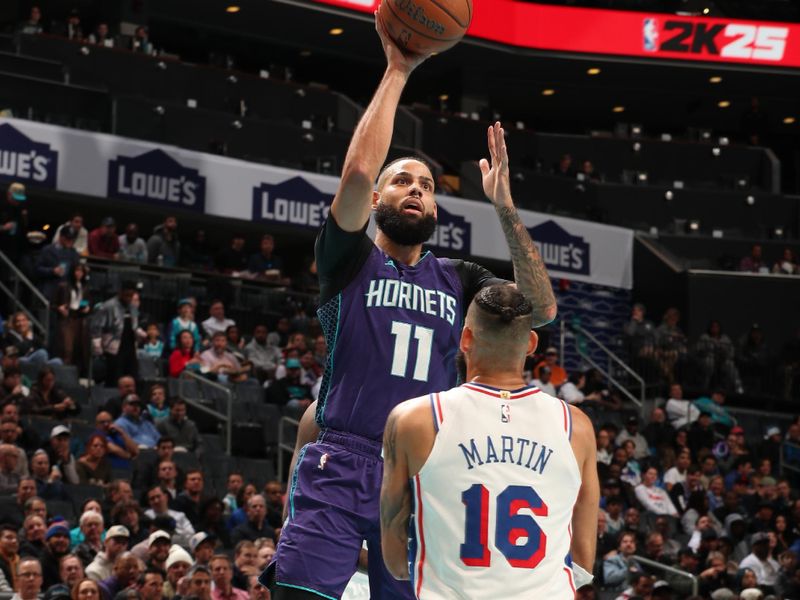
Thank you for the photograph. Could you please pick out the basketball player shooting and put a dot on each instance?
(504, 494)
(392, 316)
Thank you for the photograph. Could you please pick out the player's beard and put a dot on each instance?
(403, 229)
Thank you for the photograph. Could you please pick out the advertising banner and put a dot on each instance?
(111, 167)
(622, 33)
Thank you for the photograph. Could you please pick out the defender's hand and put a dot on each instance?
(496, 180)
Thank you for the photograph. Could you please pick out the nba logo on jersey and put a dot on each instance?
(505, 413)
(650, 31)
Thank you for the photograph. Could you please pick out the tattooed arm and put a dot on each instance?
(530, 273)
(395, 499)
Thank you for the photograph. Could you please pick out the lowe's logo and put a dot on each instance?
(156, 178)
(26, 161)
(293, 202)
(560, 250)
(452, 232)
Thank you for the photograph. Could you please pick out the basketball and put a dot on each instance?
(426, 26)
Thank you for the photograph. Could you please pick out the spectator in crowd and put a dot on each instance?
(156, 406)
(604, 447)
(222, 574)
(787, 265)
(245, 556)
(150, 585)
(677, 473)
(141, 43)
(163, 247)
(680, 412)
(321, 353)
(755, 262)
(48, 480)
(236, 342)
(212, 520)
(180, 428)
(34, 528)
(114, 327)
(102, 36)
(654, 499)
(640, 336)
(12, 392)
(127, 569)
(273, 493)
(73, 30)
(9, 477)
(265, 554)
(115, 544)
(701, 434)
(184, 356)
(558, 375)
(47, 399)
(671, 343)
(32, 26)
(715, 406)
(126, 385)
(754, 359)
(177, 565)
(9, 554)
(188, 501)
(264, 264)
(202, 546)
(572, 390)
(29, 344)
(544, 381)
(91, 527)
(157, 499)
(70, 570)
(564, 166)
(103, 241)
(617, 565)
(132, 247)
(263, 353)
(120, 447)
(56, 542)
(81, 243)
(153, 345)
(197, 253)
(167, 475)
(94, 467)
(256, 525)
(216, 320)
(158, 550)
(10, 434)
(308, 279)
(290, 392)
(72, 306)
(715, 353)
(233, 259)
(140, 430)
(234, 486)
(631, 432)
(760, 562)
(184, 322)
(60, 455)
(86, 589)
(29, 576)
(14, 221)
(218, 361)
(200, 582)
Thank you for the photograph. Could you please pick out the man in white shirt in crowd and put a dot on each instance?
(677, 474)
(631, 432)
(157, 500)
(765, 567)
(653, 498)
(116, 542)
(543, 382)
(216, 321)
(680, 412)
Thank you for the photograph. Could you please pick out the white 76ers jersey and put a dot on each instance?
(492, 508)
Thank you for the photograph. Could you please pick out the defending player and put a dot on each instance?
(504, 477)
(392, 316)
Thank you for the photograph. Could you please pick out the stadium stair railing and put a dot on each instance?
(666, 569)
(286, 441)
(201, 403)
(15, 287)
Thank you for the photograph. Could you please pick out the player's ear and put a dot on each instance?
(467, 337)
(376, 197)
(533, 341)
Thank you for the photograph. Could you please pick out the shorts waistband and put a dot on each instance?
(351, 441)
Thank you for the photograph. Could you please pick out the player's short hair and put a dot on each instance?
(384, 174)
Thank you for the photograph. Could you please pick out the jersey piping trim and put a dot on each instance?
(320, 416)
(418, 518)
(498, 393)
(567, 420)
(569, 578)
(305, 589)
(300, 457)
(433, 412)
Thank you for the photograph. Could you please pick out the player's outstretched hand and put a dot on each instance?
(395, 56)
(496, 181)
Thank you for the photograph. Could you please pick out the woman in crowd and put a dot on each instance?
(47, 399)
(76, 535)
(94, 467)
(20, 334)
(185, 354)
(72, 306)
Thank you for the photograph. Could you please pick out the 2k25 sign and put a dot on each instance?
(711, 39)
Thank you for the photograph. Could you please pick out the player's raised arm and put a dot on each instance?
(395, 498)
(530, 273)
(584, 514)
(372, 137)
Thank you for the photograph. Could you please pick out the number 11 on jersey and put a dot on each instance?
(402, 339)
